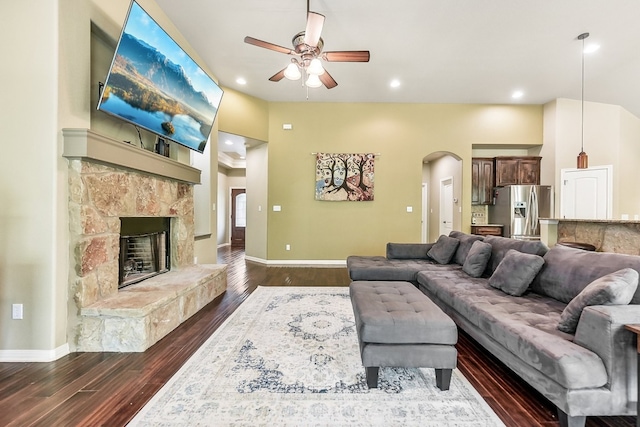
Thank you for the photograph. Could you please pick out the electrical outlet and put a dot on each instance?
(17, 311)
(287, 247)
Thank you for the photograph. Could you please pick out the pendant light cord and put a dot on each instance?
(582, 98)
(582, 37)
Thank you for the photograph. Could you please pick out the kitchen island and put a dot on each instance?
(607, 235)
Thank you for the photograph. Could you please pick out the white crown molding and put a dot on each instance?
(34, 355)
(229, 162)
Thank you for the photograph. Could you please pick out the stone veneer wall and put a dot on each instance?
(98, 196)
(619, 236)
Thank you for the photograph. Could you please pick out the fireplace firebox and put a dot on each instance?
(144, 249)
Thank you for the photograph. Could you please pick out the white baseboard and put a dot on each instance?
(34, 355)
(298, 263)
(222, 245)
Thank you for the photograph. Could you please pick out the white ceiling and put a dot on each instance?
(442, 51)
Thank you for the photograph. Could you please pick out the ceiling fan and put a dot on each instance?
(307, 52)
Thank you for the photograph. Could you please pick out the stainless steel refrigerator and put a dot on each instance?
(519, 207)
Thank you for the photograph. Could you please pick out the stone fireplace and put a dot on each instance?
(110, 180)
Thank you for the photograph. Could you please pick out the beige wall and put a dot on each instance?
(548, 151)
(244, 115)
(52, 89)
(257, 202)
(611, 137)
(403, 134)
(629, 154)
(29, 228)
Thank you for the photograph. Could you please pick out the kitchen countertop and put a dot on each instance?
(597, 221)
(487, 225)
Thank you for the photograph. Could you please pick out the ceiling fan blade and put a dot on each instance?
(315, 21)
(327, 80)
(267, 45)
(347, 56)
(278, 76)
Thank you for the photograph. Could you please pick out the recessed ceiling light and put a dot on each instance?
(394, 83)
(590, 48)
(517, 94)
(228, 142)
(241, 81)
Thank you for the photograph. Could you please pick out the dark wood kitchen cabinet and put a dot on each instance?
(487, 230)
(517, 170)
(482, 181)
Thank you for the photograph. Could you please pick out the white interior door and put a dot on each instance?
(586, 193)
(446, 205)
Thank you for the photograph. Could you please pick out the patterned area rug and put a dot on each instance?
(289, 356)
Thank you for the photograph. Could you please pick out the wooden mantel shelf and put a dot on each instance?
(87, 145)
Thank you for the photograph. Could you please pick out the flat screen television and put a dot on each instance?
(154, 84)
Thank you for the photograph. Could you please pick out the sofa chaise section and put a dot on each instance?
(524, 326)
(403, 261)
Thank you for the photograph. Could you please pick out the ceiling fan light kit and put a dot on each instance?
(315, 67)
(307, 47)
(292, 72)
(313, 81)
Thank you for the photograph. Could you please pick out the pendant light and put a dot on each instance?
(583, 159)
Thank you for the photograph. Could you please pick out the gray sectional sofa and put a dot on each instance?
(587, 368)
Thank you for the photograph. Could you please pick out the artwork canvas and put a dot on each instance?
(344, 177)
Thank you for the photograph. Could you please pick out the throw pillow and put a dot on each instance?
(515, 272)
(477, 259)
(466, 241)
(442, 251)
(616, 288)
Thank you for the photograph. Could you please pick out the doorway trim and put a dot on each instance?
(229, 213)
(425, 212)
(441, 222)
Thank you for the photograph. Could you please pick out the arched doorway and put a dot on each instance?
(442, 194)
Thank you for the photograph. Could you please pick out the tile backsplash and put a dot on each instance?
(479, 214)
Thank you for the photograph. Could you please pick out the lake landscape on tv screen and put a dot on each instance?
(154, 84)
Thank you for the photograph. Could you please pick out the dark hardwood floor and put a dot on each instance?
(93, 389)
